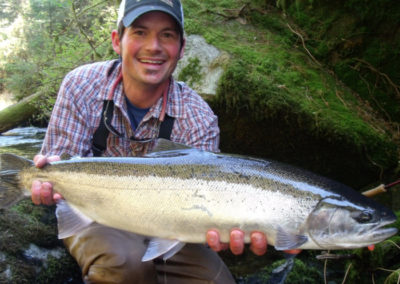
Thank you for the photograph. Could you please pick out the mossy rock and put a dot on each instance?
(26, 225)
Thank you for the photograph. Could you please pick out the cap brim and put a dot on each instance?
(133, 15)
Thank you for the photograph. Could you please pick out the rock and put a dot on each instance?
(41, 255)
(201, 66)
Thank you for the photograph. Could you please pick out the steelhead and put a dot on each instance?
(175, 196)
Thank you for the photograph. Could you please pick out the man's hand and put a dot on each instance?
(236, 244)
(42, 193)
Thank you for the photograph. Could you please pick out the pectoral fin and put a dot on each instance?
(70, 221)
(158, 247)
(285, 240)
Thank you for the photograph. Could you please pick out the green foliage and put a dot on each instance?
(23, 77)
(57, 36)
(9, 10)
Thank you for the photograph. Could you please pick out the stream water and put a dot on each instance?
(22, 141)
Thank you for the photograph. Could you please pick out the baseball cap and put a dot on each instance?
(130, 10)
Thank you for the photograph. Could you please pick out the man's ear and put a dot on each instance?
(182, 51)
(116, 41)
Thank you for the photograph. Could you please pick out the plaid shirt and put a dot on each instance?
(76, 116)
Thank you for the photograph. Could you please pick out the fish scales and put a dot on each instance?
(201, 202)
(181, 194)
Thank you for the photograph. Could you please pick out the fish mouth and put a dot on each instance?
(381, 232)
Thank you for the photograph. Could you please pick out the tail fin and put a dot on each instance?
(10, 191)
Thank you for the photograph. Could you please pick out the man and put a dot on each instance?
(150, 41)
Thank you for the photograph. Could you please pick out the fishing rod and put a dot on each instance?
(380, 189)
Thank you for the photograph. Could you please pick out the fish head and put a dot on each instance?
(337, 223)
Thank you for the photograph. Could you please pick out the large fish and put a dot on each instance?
(175, 196)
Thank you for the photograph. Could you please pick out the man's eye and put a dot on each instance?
(169, 35)
(138, 32)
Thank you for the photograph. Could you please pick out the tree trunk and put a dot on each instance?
(18, 113)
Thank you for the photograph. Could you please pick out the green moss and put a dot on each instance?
(301, 273)
(25, 224)
(191, 74)
(59, 271)
(357, 40)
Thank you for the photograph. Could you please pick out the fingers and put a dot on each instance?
(236, 242)
(258, 243)
(53, 158)
(213, 241)
(40, 160)
(35, 189)
(46, 194)
(42, 193)
(57, 197)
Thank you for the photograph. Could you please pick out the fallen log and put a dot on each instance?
(18, 113)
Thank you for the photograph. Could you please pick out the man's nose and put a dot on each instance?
(153, 43)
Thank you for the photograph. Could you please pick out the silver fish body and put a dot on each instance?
(180, 194)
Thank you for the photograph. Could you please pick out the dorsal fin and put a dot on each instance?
(161, 145)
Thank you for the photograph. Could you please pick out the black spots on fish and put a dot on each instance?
(192, 172)
(172, 170)
(240, 175)
(199, 195)
(114, 171)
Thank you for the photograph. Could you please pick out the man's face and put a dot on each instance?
(150, 49)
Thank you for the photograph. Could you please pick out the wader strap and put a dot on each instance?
(99, 144)
(100, 136)
(166, 127)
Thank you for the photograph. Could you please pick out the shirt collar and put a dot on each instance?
(174, 101)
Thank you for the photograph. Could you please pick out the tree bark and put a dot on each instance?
(18, 113)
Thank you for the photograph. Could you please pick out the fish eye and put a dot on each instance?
(362, 217)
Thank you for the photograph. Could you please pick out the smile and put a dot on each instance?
(152, 61)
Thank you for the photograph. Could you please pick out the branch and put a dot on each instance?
(373, 69)
(304, 45)
(82, 31)
(91, 7)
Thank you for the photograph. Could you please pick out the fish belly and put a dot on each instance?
(182, 209)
